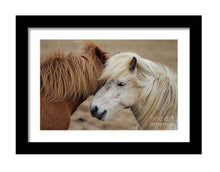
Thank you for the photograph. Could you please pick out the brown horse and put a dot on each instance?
(66, 81)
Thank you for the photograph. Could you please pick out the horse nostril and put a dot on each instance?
(94, 110)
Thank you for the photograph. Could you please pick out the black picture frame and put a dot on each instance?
(22, 101)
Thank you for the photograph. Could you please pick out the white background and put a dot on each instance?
(180, 135)
(208, 161)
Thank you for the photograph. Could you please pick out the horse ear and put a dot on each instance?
(133, 64)
(101, 55)
(93, 49)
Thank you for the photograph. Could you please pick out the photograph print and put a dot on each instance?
(108, 85)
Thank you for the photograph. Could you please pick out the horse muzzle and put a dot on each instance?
(97, 113)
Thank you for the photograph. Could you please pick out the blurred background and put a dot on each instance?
(161, 51)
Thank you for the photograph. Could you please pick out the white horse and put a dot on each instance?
(148, 88)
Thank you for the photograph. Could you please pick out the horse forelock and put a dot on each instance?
(116, 66)
(68, 77)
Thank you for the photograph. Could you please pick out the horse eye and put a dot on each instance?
(121, 84)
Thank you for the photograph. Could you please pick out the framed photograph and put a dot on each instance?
(108, 85)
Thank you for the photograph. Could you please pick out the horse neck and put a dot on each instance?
(137, 110)
(153, 112)
(147, 122)
(72, 106)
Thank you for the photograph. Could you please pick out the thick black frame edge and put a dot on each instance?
(196, 85)
(108, 148)
(21, 85)
(108, 21)
(25, 22)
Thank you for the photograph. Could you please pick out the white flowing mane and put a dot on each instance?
(158, 86)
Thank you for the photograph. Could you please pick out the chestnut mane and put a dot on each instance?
(65, 77)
